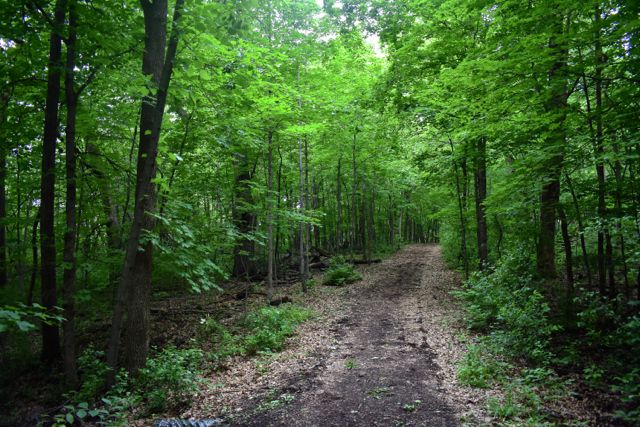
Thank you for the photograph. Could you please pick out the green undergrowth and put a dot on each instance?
(170, 380)
(520, 344)
(263, 330)
(340, 273)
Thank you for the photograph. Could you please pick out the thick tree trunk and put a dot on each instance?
(481, 194)
(136, 277)
(50, 333)
(69, 255)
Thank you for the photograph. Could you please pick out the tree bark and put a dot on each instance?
(5, 95)
(270, 217)
(69, 255)
(50, 333)
(556, 107)
(339, 204)
(303, 229)
(34, 256)
(244, 219)
(461, 212)
(307, 234)
(481, 194)
(136, 277)
(583, 244)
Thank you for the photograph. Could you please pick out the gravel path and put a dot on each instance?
(391, 361)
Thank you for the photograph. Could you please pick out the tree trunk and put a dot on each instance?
(270, 217)
(556, 107)
(353, 196)
(34, 256)
(302, 231)
(566, 241)
(307, 234)
(69, 255)
(481, 194)
(136, 277)
(339, 204)
(3, 213)
(618, 174)
(583, 244)
(50, 333)
(461, 212)
(244, 219)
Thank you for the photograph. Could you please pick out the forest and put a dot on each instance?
(307, 212)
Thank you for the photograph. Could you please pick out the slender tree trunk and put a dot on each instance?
(583, 244)
(270, 217)
(302, 231)
(604, 240)
(566, 240)
(5, 95)
(34, 256)
(69, 279)
(164, 196)
(110, 209)
(481, 195)
(50, 333)
(618, 174)
(3, 215)
(461, 211)
(307, 234)
(363, 218)
(278, 192)
(353, 197)
(556, 107)
(244, 219)
(339, 204)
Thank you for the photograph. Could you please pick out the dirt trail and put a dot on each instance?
(391, 362)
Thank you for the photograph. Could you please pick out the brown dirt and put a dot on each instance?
(383, 353)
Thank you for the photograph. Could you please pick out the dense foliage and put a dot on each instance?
(156, 147)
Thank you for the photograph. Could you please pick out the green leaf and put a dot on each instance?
(204, 75)
(25, 326)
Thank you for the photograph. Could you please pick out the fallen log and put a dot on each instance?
(362, 261)
(278, 301)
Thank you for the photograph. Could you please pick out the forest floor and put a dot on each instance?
(381, 352)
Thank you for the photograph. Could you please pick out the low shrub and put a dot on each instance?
(270, 326)
(506, 303)
(93, 373)
(224, 343)
(480, 367)
(340, 273)
(170, 377)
